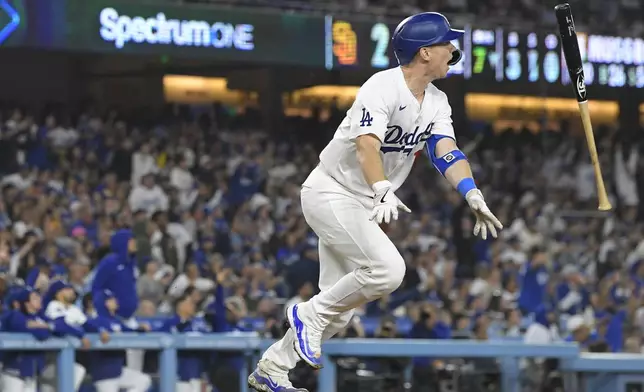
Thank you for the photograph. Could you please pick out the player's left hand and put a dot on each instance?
(485, 219)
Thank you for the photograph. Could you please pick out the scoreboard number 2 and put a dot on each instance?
(380, 35)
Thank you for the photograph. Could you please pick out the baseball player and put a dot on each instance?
(21, 368)
(67, 320)
(397, 113)
(107, 368)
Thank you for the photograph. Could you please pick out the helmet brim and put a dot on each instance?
(453, 34)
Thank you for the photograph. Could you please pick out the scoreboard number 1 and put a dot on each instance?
(380, 35)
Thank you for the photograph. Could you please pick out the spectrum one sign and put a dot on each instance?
(123, 29)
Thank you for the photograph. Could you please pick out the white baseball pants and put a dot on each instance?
(134, 358)
(17, 384)
(358, 264)
(189, 386)
(131, 380)
(49, 377)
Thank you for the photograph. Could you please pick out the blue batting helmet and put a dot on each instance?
(421, 30)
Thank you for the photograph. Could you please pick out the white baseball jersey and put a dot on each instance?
(386, 108)
(73, 315)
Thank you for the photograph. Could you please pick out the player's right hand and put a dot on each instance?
(386, 203)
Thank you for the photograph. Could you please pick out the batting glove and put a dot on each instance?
(386, 203)
(485, 219)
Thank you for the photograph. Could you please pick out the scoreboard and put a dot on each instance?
(497, 55)
(495, 59)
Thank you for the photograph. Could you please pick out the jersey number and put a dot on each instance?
(366, 118)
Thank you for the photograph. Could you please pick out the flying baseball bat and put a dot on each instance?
(570, 46)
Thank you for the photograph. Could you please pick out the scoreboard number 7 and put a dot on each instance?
(380, 35)
(480, 55)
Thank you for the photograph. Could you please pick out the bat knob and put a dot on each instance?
(562, 6)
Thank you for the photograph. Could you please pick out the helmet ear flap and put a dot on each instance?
(457, 55)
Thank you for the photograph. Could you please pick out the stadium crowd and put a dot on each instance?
(211, 205)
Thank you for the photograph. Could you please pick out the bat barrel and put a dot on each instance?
(570, 46)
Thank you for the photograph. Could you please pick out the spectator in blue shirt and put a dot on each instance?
(191, 364)
(572, 296)
(429, 326)
(534, 277)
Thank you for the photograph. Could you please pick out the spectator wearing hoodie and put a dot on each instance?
(117, 272)
(21, 368)
(107, 368)
(67, 320)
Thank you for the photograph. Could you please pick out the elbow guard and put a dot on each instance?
(442, 163)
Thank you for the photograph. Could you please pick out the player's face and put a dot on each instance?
(440, 56)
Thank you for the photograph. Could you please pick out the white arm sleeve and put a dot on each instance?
(443, 123)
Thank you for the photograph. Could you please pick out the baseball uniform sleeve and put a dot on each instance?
(443, 123)
(369, 113)
(536, 335)
(55, 310)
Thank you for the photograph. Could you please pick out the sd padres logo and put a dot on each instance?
(345, 43)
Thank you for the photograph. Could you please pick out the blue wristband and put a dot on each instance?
(466, 185)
